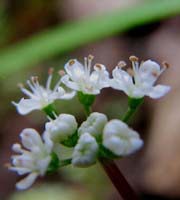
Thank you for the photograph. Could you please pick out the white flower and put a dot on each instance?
(94, 124)
(62, 127)
(85, 152)
(120, 139)
(141, 81)
(80, 78)
(33, 160)
(39, 96)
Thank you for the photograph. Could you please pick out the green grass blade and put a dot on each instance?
(72, 35)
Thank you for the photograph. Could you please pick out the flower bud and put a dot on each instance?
(62, 127)
(120, 139)
(85, 151)
(94, 124)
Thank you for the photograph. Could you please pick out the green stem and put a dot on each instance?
(133, 105)
(50, 111)
(130, 112)
(88, 110)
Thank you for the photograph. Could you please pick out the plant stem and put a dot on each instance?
(50, 111)
(133, 105)
(87, 110)
(118, 180)
(113, 172)
(128, 115)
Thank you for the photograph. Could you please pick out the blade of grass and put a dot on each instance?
(72, 35)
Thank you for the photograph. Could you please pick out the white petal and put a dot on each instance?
(20, 170)
(85, 151)
(43, 164)
(149, 66)
(75, 70)
(30, 138)
(70, 84)
(149, 71)
(120, 139)
(68, 95)
(25, 106)
(121, 80)
(159, 91)
(94, 124)
(27, 181)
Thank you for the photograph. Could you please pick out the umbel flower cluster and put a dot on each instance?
(95, 138)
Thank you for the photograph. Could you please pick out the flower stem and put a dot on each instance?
(111, 169)
(118, 180)
(50, 111)
(133, 105)
(88, 110)
(128, 115)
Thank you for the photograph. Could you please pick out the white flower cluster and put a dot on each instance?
(96, 131)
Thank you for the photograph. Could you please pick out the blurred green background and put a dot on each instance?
(38, 34)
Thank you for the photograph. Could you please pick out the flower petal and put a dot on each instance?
(85, 151)
(25, 106)
(30, 138)
(121, 80)
(70, 84)
(120, 139)
(75, 69)
(159, 91)
(149, 71)
(26, 182)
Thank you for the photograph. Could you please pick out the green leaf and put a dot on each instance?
(72, 35)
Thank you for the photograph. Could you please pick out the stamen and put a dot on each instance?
(61, 72)
(130, 72)
(71, 62)
(34, 79)
(165, 65)
(121, 64)
(90, 57)
(99, 66)
(133, 59)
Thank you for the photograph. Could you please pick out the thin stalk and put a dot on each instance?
(111, 169)
(87, 110)
(133, 105)
(128, 115)
(50, 111)
(118, 180)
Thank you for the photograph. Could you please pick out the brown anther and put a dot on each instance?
(121, 64)
(61, 72)
(90, 57)
(133, 58)
(165, 64)
(34, 78)
(71, 62)
(20, 85)
(50, 71)
(130, 72)
(98, 66)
